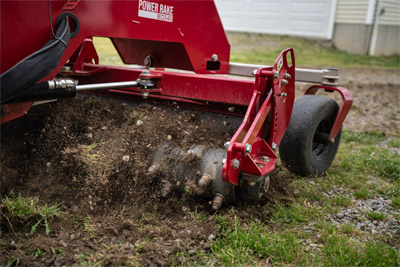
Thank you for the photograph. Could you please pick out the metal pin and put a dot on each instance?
(217, 202)
(205, 180)
(166, 189)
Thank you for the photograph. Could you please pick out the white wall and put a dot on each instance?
(309, 18)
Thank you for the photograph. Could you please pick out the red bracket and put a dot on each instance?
(85, 55)
(347, 101)
(265, 122)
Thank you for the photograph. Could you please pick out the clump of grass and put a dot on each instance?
(394, 143)
(37, 252)
(341, 201)
(25, 214)
(89, 227)
(361, 193)
(376, 216)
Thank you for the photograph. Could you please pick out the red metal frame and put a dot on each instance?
(187, 41)
(264, 138)
(347, 101)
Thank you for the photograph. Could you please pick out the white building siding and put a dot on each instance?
(310, 18)
(351, 11)
(391, 13)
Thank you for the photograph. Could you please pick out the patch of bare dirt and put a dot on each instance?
(92, 155)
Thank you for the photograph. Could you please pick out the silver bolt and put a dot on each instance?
(287, 76)
(274, 146)
(276, 74)
(284, 82)
(214, 57)
(236, 164)
(223, 161)
(148, 61)
(226, 145)
(145, 95)
(145, 72)
(265, 158)
(247, 149)
(254, 72)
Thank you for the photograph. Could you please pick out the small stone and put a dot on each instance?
(48, 164)
(211, 237)
(169, 137)
(192, 251)
(72, 236)
(184, 208)
(166, 253)
(139, 122)
(340, 215)
(179, 242)
(90, 128)
(104, 128)
(90, 135)
(231, 109)
(126, 158)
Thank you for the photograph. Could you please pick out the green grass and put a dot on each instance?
(248, 246)
(20, 213)
(264, 49)
(361, 168)
(377, 216)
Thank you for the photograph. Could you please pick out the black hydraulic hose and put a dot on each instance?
(41, 91)
(22, 76)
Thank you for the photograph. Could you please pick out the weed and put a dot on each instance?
(12, 262)
(135, 116)
(37, 252)
(377, 216)
(23, 213)
(57, 251)
(89, 227)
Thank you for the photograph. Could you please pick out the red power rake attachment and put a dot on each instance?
(44, 59)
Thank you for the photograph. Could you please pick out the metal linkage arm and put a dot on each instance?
(328, 77)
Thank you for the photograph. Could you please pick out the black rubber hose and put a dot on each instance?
(22, 76)
(41, 91)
